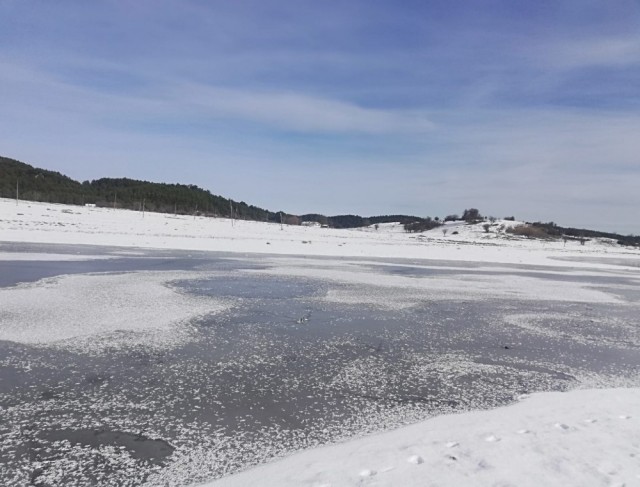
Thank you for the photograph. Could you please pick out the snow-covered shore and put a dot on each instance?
(587, 437)
(579, 438)
(64, 224)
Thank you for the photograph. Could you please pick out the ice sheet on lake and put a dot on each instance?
(37, 256)
(369, 286)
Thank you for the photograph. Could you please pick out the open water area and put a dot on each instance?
(284, 365)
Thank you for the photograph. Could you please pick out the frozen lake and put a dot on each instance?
(213, 362)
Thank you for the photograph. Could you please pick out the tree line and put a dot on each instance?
(36, 184)
(18, 179)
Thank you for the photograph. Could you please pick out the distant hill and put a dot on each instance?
(36, 184)
(557, 231)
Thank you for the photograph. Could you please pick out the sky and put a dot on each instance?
(514, 107)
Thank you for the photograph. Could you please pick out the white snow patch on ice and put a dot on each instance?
(99, 310)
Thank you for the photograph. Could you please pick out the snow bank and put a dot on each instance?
(585, 438)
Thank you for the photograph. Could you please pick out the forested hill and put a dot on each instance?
(37, 184)
(42, 185)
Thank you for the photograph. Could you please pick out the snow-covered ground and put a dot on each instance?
(62, 224)
(588, 437)
(579, 438)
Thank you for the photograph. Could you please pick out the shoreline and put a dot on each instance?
(586, 437)
(47, 223)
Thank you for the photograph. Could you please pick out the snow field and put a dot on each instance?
(65, 224)
(580, 438)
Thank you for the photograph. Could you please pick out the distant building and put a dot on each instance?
(90, 205)
(310, 224)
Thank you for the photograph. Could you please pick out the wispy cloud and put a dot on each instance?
(612, 51)
(173, 100)
(299, 113)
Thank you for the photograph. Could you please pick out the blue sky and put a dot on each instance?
(369, 107)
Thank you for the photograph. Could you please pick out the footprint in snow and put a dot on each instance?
(624, 416)
(523, 431)
(452, 444)
(415, 459)
(492, 439)
(367, 473)
(561, 426)
(590, 420)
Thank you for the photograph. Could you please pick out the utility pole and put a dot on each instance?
(143, 199)
(281, 221)
(231, 211)
(17, 190)
(115, 198)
